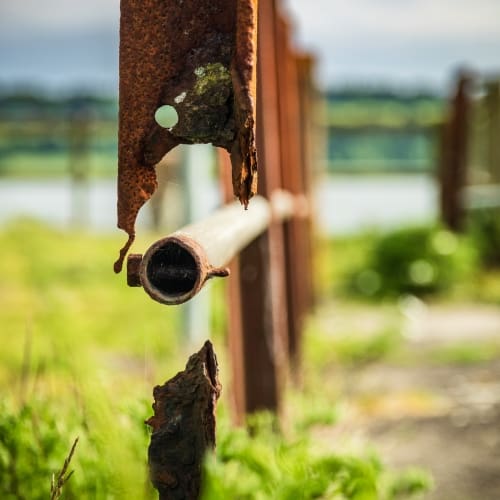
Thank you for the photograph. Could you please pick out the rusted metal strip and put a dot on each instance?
(184, 427)
(197, 56)
(312, 149)
(294, 173)
(234, 320)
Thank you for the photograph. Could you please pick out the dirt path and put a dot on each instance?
(445, 419)
(439, 413)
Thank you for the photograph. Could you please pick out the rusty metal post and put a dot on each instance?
(453, 168)
(235, 330)
(492, 100)
(262, 271)
(198, 59)
(257, 300)
(311, 149)
(296, 235)
(257, 326)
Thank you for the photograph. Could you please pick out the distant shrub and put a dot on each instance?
(484, 228)
(416, 260)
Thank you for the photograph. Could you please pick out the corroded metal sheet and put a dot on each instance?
(184, 427)
(199, 57)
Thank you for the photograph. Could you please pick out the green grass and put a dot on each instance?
(350, 348)
(265, 465)
(58, 291)
(80, 355)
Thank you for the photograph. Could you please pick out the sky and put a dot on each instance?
(68, 44)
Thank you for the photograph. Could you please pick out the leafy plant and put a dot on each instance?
(34, 439)
(484, 227)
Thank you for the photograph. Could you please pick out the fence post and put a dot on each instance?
(454, 156)
(258, 323)
(493, 110)
(311, 146)
(292, 171)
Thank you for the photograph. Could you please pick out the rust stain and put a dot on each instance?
(199, 57)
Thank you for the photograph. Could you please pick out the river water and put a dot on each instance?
(343, 204)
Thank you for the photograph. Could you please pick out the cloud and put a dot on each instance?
(384, 39)
(17, 16)
(404, 39)
(419, 19)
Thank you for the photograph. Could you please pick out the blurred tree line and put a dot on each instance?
(382, 130)
(42, 135)
(368, 130)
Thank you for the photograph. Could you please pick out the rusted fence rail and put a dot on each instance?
(175, 268)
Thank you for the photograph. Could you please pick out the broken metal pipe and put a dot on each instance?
(175, 268)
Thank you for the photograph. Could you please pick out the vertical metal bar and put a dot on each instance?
(256, 355)
(259, 320)
(454, 157)
(269, 322)
(236, 344)
(289, 114)
(235, 320)
(310, 146)
(493, 134)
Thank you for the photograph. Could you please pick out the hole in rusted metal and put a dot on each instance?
(166, 116)
(172, 270)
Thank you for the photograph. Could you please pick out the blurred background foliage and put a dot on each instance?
(370, 130)
(367, 130)
(38, 133)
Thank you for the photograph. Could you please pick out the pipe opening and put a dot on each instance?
(172, 270)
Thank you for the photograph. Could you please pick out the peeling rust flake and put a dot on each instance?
(197, 56)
